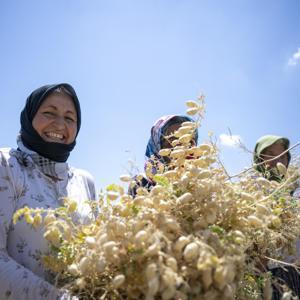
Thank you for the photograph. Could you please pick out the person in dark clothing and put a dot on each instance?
(164, 127)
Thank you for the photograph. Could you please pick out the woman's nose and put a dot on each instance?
(59, 122)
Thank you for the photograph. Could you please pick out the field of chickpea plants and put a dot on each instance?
(198, 234)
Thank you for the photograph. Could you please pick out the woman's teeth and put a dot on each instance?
(55, 136)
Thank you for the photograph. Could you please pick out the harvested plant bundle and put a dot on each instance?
(196, 235)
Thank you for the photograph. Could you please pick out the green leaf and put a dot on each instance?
(163, 181)
(217, 229)
(113, 187)
(135, 209)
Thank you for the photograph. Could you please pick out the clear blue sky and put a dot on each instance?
(133, 61)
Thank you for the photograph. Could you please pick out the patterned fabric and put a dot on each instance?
(23, 182)
(46, 166)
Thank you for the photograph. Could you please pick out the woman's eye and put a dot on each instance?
(48, 113)
(69, 119)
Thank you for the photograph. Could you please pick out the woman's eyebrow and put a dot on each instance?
(71, 112)
(55, 108)
(50, 106)
(270, 153)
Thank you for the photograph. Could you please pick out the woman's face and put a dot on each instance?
(273, 151)
(167, 143)
(56, 119)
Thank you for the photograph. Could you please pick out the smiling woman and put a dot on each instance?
(37, 175)
(56, 119)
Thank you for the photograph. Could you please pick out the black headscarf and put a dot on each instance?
(31, 139)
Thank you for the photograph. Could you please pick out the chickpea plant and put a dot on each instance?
(196, 235)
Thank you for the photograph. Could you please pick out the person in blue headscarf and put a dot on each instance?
(37, 175)
(164, 127)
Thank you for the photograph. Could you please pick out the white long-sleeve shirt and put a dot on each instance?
(22, 183)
